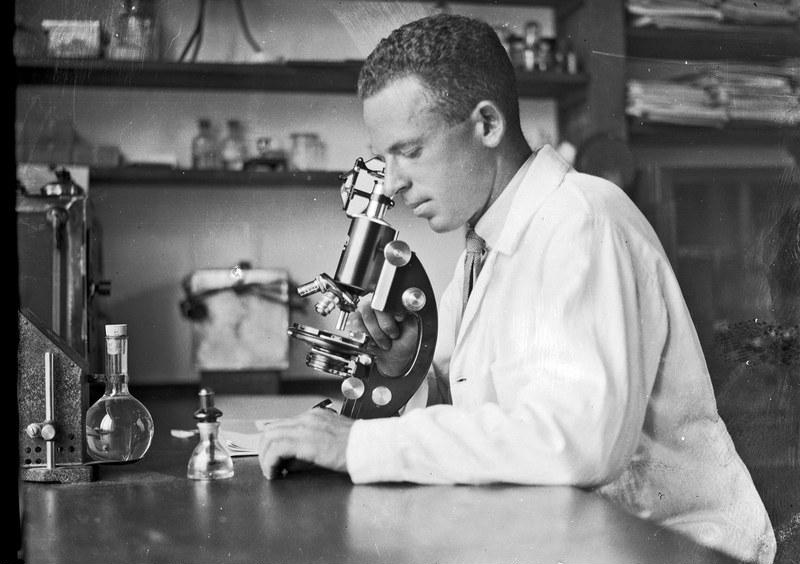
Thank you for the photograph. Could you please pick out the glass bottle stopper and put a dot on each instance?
(207, 413)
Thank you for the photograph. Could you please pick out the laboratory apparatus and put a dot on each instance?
(52, 396)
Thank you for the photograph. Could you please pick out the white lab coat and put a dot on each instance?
(576, 362)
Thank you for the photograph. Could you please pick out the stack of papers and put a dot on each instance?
(671, 102)
(763, 12)
(681, 14)
(720, 93)
(709, 14)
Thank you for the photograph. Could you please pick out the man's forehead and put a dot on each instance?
(399, 113)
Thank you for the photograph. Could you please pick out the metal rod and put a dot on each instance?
(56, 281)
(341, 323)
(49, 404)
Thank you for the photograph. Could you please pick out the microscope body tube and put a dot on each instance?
(362, 256)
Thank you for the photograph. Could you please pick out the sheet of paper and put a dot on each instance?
(241, 436)
(243, 419)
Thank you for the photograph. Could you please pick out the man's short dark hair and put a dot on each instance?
(459, 59)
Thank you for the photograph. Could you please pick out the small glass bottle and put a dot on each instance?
(306, 151)
(531, 48)
(234, 148)
(570, 58)
(135, 35)
(205, 148)
(516, 50)
(210, 459)
(119, 428)
(545, 54)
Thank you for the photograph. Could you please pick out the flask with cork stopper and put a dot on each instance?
(119, 428)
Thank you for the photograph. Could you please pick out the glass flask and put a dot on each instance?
(210, 459)
(119, 428)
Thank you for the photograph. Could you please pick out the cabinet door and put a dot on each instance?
(714, 224)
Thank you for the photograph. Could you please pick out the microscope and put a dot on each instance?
(373, 261)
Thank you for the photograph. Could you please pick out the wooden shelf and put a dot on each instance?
(562, 8)
(292, 76)
(160, 176)
(751, 43)
(643, 133)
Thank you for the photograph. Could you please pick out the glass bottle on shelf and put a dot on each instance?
(119, 428)
(531, 48)
(569, 57)
(135, 36)
(516, 50)
(205, 147)
(269, 158)
(545, 54)
(210, 460)
(234, 148)
(308, 152)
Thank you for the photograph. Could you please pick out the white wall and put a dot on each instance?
(155, 235)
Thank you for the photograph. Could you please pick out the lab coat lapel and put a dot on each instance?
(476, 296)
(543, 177)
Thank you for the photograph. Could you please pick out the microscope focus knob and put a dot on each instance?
(34, 430)
(381, 395)
(48, 431)
(414, 299)
(352, 388)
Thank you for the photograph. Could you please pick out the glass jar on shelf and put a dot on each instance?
(566, 58)
(135, 34)
(234, 147)
(516, 50)
(205, 147)
(307, 152)
(531, 46)
(545, 54)
(269, 158)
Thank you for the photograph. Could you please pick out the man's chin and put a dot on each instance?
(438, 226)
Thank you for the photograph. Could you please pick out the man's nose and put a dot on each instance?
(395, 181)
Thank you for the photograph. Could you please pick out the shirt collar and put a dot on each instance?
(490, 225)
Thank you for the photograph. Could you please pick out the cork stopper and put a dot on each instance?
(118, 330)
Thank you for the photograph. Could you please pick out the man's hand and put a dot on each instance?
(395, 337)
(318, 436)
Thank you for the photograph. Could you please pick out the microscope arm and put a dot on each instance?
(411, 293)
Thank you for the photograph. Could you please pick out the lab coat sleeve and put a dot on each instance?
(572, 376)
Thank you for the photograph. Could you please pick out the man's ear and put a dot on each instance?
(489, 122)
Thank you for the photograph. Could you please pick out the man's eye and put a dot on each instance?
(412, 153)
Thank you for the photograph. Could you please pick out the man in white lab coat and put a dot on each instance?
(574, 361)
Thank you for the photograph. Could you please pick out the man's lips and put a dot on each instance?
(418, 208)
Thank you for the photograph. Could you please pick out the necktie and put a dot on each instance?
(472, 263)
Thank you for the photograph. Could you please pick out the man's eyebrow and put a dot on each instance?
(400, 145)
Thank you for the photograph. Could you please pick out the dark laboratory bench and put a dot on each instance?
(150, 512)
